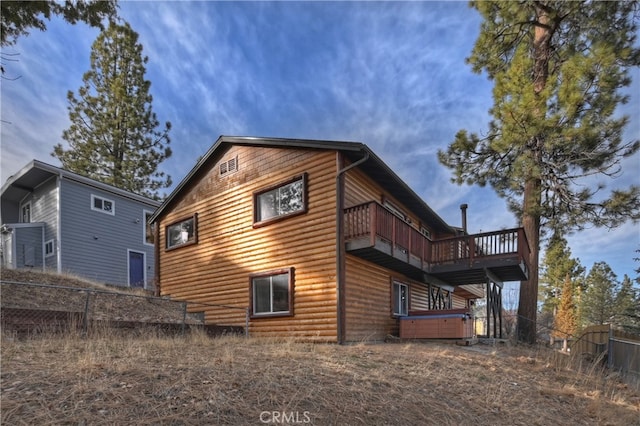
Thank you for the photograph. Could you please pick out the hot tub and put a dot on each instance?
(442, 324)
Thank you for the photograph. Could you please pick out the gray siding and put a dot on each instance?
(44, 208)
(28, 246)
(10, 211)
(95, 244)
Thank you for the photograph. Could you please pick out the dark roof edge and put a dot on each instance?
(37, 164)
(343, 146)
(257, 141)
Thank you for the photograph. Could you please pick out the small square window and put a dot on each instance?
(272, 293)
(287, 199)
(103, 205)
(400, 299)
(424, 231)
(182, 233)
(49, 248)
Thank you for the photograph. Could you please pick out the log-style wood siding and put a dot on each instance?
(216, 270)
(214, 274)
(368, 296)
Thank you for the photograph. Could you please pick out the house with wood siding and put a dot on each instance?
(321, 240)
(56, 220)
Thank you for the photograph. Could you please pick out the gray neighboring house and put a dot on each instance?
(56, 220)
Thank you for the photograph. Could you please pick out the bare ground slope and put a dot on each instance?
(126, 380)
(40, 291)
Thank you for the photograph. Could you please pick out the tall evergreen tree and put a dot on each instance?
(628, 306)
(558, 67)
(113, 136)
(556, 266)
(599, 299)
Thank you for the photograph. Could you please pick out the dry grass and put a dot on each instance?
(136, 380)
(232, 380)
(106, 302)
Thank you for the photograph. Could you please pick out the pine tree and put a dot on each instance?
(19, 16)
(556, 266)
(628, 307)
(566, 320)
(113, 136)
(558, 67)
(599, 299)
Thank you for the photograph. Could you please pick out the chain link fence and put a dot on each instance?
(38, 308)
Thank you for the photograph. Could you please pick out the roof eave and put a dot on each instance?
(351, 147)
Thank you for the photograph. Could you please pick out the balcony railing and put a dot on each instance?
(371, 225)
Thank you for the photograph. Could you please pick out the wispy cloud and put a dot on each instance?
(389, 74)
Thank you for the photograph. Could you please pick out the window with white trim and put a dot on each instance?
(183, 232)
(272, 293)
(25, 213)
(424, 231)
(396, 210)
(149, 236)
(103, 205)
(400, 296)
(286, 199)
(49, 248)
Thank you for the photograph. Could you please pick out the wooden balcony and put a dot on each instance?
(374, 233)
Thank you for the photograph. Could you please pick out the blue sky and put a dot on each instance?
(391, 75)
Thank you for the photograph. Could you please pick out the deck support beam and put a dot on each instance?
(494, 305)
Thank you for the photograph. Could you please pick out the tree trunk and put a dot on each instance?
(528, 304)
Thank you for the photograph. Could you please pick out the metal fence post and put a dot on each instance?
(184, 317)
(85, 320)
(246, 323)
(610, 348)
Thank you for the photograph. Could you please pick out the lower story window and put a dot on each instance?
(400, 299)
(49, 248)
(272, 293)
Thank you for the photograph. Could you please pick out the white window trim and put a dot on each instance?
(113, 205)
(393, 310)
(425, 231)
(144, 267)
(144, 228)
(53, 248)
(396, 210)
(22, 206)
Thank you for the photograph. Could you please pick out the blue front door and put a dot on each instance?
(136, 269)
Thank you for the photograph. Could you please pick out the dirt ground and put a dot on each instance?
(112, 379)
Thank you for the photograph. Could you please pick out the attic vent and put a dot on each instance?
(229, 166)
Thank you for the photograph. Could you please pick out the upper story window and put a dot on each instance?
(396, 211)
(149, 236)
(183, 232)
(286, 199)
(103, 205)
(272, 293)
(400, 296)
(25, 213)
(425, 232)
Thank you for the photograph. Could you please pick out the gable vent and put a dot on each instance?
(229, 166)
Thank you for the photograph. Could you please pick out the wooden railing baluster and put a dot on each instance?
(373, 220)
